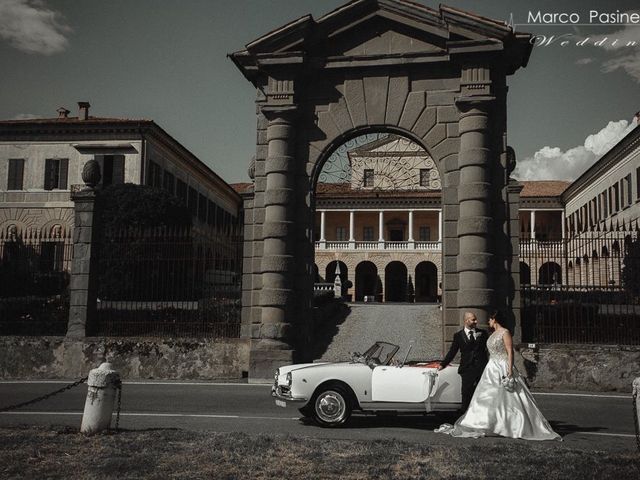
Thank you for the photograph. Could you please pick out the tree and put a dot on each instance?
(130, 205)
(631, 267)
(145, 251)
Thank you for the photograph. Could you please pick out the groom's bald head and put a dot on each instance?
(470, 320)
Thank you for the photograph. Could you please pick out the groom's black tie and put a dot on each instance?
(472, 337)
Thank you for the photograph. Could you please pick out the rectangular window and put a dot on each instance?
(168, 183)
(341, 234)
(367, 234)
(192, 202)
(15, 180)
(219, 216)
(112, 169)
(628, 194)
(424, 234)
(616, 197)
(368, 178)
(605, 204)
(637, 183)
(202, 208)
(154, 175)
(211, 213)
(424, 177)
(181, 191)
(56, 171)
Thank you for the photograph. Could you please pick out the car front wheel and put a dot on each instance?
(331, 407)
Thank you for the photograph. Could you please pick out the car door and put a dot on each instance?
(402, 384)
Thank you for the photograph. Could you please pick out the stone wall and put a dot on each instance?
(134, 358)
(591, 368)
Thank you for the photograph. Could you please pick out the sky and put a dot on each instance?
(166, 60)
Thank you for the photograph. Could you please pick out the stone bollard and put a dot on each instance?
(103, 384)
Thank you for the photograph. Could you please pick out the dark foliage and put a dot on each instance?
(631, 268)
(129, 205)
(142, 240)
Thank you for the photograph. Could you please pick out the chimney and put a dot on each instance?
(83, 110)
(63, 112)
(636, 118)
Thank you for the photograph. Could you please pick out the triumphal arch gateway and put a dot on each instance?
(436, 77)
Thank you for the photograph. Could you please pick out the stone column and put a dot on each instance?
(410, 237)
(82, 287)
(381, 229)
(323, 240)
(475, 224)
(272, 349)
(352, 240)
(533, 224)
(440, 227)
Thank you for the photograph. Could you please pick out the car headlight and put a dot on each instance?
(288, 381)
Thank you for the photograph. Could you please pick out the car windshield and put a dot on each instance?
(380, 353)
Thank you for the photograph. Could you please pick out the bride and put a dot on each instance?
(502, 404)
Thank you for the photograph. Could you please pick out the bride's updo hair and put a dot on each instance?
(502, 319)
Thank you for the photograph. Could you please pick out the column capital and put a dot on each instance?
(283, 112)
(467, 102)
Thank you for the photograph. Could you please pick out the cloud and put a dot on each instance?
(625, 43)
(551, 163)
(584, 61)
(25, 116)
(31, 27)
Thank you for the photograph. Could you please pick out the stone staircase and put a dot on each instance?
(395, 323)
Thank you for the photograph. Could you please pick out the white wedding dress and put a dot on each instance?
(499, 410)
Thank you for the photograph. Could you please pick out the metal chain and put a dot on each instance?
(635, 418)
(119, 387)
(43, 397)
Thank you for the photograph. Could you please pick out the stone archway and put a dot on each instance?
(437, 77)
(426, 278)
(366, 281)
(395, 284)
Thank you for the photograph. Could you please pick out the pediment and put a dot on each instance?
(381, 36)
(365, 28)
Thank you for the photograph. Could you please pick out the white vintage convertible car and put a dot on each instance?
(372, 382)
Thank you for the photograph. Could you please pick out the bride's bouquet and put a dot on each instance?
(509, 383)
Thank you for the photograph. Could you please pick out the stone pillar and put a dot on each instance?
(272, 348)
(82, 287)
(440, 226)
(475, 224)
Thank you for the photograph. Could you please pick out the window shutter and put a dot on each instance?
(64, 173)
(12, 176)
(118, 169)
(48, 174)
(20, 174)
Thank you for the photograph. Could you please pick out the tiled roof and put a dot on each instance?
(543, 188)
(73, 120)
(539, 188)
(344, 189)
(242, 187)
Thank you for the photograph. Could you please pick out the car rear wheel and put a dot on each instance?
(331, 407)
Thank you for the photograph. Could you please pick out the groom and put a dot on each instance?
(472, 344)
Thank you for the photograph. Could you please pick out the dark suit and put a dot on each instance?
(473, 359)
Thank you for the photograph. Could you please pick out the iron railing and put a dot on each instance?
(35, 270)
(179, 282)
(583, 289)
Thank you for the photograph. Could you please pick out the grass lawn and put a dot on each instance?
(42, 452)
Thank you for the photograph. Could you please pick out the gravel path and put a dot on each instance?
(395, 323)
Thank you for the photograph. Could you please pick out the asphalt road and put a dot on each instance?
(586, 421)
